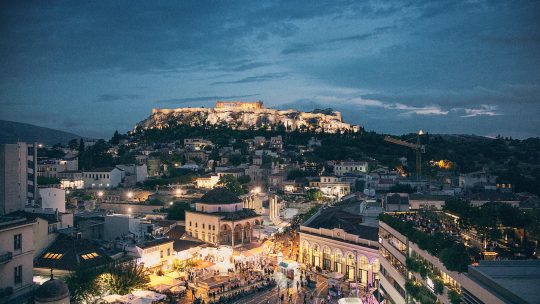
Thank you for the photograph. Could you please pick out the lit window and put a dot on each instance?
(89, 256)
(53, 256)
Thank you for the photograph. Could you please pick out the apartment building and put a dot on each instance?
(410, 273)
(16, 258)
(18, 178)
(344, 168)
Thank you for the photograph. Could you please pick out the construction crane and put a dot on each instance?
(417, 147)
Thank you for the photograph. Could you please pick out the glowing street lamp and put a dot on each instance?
(100, 194)
(170, 203)
(178, 191)
(129, 194)
(256, 190)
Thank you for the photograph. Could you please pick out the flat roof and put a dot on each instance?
(517, 281)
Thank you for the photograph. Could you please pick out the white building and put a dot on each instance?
(16, 257)
(207, 182)
(469, 180)
(51, 167)
(344, 168)
(139, 171)
(109, 177)
(153, 253)
(53, 198)
(72, 179)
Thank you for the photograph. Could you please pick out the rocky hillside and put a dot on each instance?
(326, 121)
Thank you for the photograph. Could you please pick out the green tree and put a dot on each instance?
(73, 144)
(115, 140)
(244, 179)
(83, 285)
(177, 211)
(232, 184)
(314, 195)
(122, 278)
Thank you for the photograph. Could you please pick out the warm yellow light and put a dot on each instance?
(129, 194)
(100, 193)
(256, 190)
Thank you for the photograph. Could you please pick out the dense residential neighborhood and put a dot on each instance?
(211, 214)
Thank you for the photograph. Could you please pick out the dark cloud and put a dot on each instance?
(393, 65)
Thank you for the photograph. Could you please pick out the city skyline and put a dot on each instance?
(446, 67)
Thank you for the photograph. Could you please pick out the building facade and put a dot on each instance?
(16, 257)
(18, 178)
(333, 240)
(344, 168)
(220, 218)
(441, 285)
(109, 177)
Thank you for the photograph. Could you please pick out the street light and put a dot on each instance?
(256, 190)
(100, 194)
(130, 194)
(170, 203)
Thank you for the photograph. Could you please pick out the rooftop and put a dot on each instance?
(69, 253)
(338, 217)
(219, 196)
(153, 243)
(515, 281)
(13, 221)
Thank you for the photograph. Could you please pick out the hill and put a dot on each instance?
(11, 131)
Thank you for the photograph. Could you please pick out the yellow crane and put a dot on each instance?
(419, 148)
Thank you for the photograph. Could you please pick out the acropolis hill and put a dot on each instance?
(242, 115)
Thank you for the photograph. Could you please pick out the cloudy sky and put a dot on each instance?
(91, 67)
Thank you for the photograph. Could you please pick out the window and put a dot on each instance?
(203, 225)
(17, 274)
(17, 242)
(195, 225)
(168, 251)
(89, 256)
(190, 223)
(161, 254)
(52, 255)
(219, 209)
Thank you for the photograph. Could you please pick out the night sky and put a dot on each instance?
(90, 67)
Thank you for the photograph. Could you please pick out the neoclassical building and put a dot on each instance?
(337, 240)
(220, 218)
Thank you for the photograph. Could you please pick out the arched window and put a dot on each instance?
(327, 258)
(363, 262)
(338, 263)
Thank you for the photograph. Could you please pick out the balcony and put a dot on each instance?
(5, 257)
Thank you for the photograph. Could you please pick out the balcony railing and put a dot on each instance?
(5, 257)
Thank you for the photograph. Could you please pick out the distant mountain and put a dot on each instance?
(11, 131)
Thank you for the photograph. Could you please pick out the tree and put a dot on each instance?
(314, 195)
(232, 184)
(81, 146)
(122, 278)
(115, 140)
(83, 285)
(73, 144)
(177, 211)
(244, 179)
